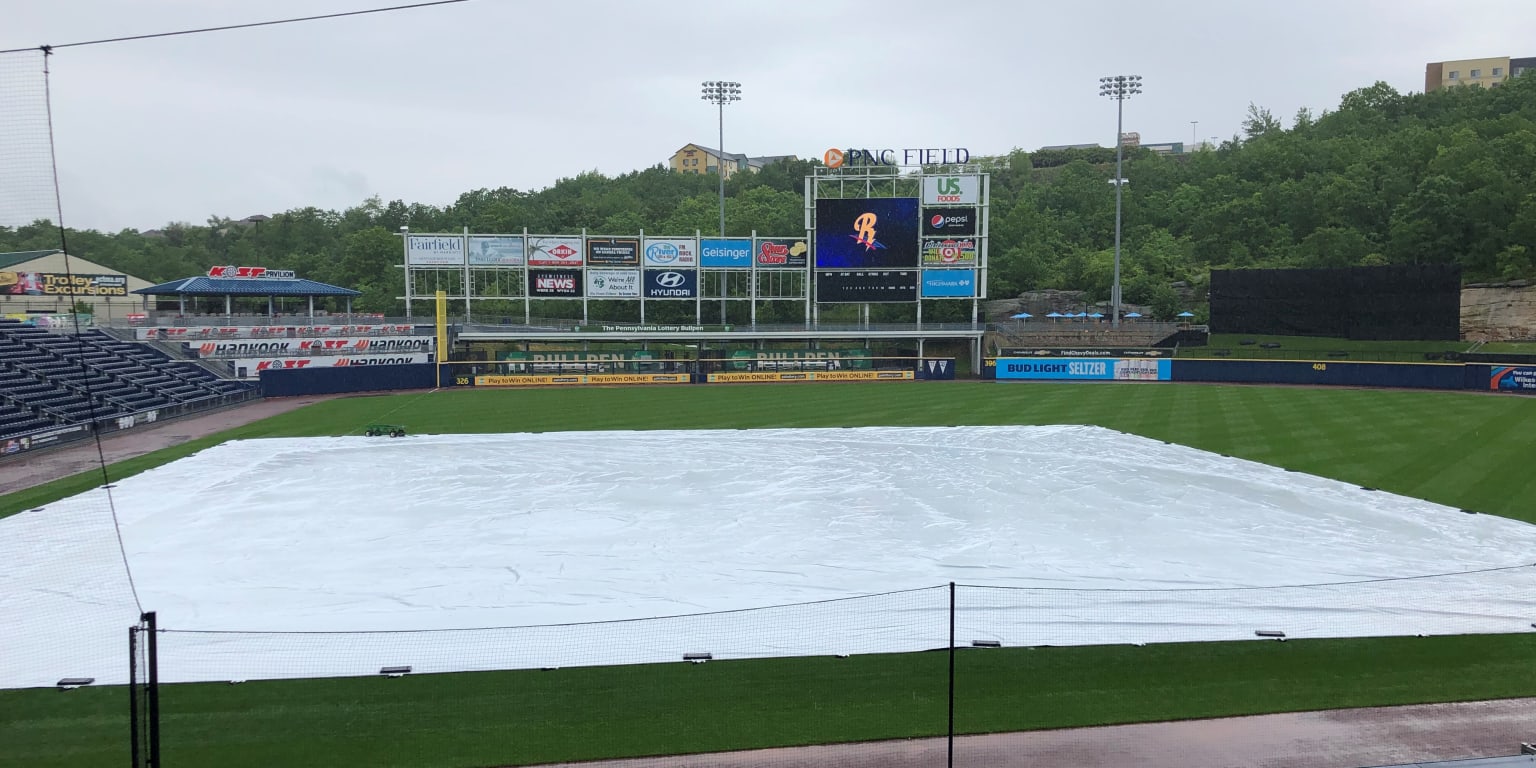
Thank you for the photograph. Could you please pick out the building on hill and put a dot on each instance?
(37, 282)
(696, 158)
(1479, 73)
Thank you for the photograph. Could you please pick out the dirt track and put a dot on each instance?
(1350, 738)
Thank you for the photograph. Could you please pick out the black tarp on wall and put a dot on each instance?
(1409, 302)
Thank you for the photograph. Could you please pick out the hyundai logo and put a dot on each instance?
(671, 279)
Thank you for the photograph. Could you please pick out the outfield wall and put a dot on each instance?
(331, 381)
(1450, 376)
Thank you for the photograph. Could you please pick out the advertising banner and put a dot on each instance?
(1512, 379)
(613, 252)
(725, 253)
(554, 251)
(199, 332)
(1085, 352)
(866, 233)
(613, 283)
(434, 250)
(40, 439)
(949, 221)
(949, 283)
(741, 378)
(671, 253)
(951, 190)
(884, 286)
(782, 253)
(563, 283)
(261, 273)
(337, 346)
(949, 252)
(58, 284)
(671, 284)
(652, 328)
(1084, 370)
(596, 378)
(251, 368)
(799, 359)
(496, 251)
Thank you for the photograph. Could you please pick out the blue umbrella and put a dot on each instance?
(1055, 314)
(1185, 314)
(1081, 314)
(1132, 314)
(1097, 314)
(1023, 316)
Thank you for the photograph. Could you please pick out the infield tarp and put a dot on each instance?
(1064, 528)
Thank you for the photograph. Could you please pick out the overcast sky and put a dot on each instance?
(425, 104)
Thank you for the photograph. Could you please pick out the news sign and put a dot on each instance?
(949, 221)
(866, 286)
(949, 252)
(489, 251)
(725, 253)
(613, 283)
(554, 251)
(782, 254)
(560, 283)
(671, 284)
(434, 250)
(866, 233)
(949, 283)
(1058, 368)
(613, 252)
(671, 253)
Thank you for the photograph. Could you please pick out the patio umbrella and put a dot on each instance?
(1022, 316)
(1097, 315)
(1081, 314)
(1132, 314)
(1055, 314)
(1185, 314)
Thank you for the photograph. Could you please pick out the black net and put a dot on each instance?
(1413, 302)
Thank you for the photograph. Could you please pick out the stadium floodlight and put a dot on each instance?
(71, 683)
(986, 644)
(400, 671)
(1119, 88)
(721, 93)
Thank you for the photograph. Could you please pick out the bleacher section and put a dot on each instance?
(43, 383)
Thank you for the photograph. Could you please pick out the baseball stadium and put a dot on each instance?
(790, 498)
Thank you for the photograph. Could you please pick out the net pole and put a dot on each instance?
(133, 697)
(950, 760)
(153, 670)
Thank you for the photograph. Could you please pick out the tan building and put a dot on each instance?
(1479, 73)
(696, 158)
(37, 282)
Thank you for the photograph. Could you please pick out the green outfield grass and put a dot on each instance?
(1462, 449)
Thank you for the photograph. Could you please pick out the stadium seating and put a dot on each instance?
(49, 380)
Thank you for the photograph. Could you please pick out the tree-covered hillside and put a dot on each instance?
(1386, 178)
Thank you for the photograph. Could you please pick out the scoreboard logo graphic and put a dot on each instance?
(866, 233)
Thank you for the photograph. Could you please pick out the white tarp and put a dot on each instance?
(461, 531)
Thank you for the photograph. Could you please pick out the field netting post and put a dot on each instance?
(144, 693)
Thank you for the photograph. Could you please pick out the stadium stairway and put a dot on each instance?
(48, 380)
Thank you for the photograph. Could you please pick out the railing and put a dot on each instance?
(569, 325)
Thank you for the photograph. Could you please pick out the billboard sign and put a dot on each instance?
(866, 233)
(252, 272)
(782, 254)
(434, 250)
(871, 286)
(613, 252)
(949, 283)
(355, 345)
(949, 221)
(58, 284)
(613, 283)
(735, 253)
(1060, 368)
(561, 283)
(949, 252)
(671, 253)
(951, 190)
(554, 251)
(671, 284)
(1512, 378)
(251, 368)
(493, 251)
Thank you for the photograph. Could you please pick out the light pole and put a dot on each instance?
(721, 93)
(1194, 126)
(1119, 88)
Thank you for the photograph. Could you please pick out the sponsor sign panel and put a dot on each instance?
(1085, 352)
(949, 283)
(198, 332)
(782, 253)
(496, 251)
(949, 252)
(336, 346)
(58, 284)
(1084, 369)
(873, 286)
(1512, 378)
(739, 378)
(671, 284)
(434, 250)
(40, 439)
(949, 221)
(596, 378)
(246, 273)
(613, 252)
(671, 253)
(867, 233)
(251, 368)
(651, 328)
(613, 283)
(725, 253)
(554, 282)
(951, 190)
(554, 251)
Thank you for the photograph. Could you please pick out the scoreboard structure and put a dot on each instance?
(889, 235)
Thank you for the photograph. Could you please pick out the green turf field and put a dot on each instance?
(1463, 449)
